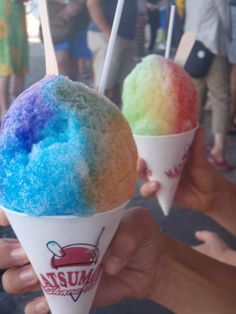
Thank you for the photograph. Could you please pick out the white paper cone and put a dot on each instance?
(66, 254)
(165, 157)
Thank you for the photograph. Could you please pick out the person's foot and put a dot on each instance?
(220, 163)
(215, 247)
(217, 159)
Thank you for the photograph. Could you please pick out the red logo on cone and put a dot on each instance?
(72, 283)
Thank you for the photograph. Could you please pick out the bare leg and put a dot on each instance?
(114, 95)
(81, 65)
(18, 85)
(215, 247)
(73, 69)
(4, 94)
(64, 63)
(218, 150)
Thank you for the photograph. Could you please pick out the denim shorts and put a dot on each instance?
(77, 46)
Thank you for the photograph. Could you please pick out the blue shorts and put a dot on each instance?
(77, 46)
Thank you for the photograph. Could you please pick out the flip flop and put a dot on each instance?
(221, 165)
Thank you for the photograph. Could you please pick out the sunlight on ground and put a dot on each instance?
(32, 25)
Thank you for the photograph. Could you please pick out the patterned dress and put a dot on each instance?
(13, 38)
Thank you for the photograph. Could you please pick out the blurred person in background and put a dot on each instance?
(164, 10)
(102, 13)
(140, 28)
(153, 20)
(232, 60)
(178, 22)
(13, 50)
(209, 21)
(68, 22)
(212, 244)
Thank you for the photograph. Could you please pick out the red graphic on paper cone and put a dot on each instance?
(72, 283)
(177, 170)
(77, 254)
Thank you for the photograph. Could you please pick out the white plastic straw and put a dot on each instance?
(110, 48)
(170, 32)
(50, 57)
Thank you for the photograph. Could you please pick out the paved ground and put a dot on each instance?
(181, 223)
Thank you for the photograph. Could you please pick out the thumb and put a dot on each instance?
(3, 219)
(202, 236)
(197, 151)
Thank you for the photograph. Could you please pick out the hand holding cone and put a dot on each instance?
(165, 157)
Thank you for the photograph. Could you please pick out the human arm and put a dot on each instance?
(201, 187)
(189, 282)
(97, 15)
(70, 8)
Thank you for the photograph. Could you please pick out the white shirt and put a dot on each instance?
(209, 21)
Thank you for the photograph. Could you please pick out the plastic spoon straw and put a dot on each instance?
(50, 57)
(110, 48)
(170, 32)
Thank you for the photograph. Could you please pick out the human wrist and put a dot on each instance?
(185, 274)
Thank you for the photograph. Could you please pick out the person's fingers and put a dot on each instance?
(197, 151)
(37, 306)
(149, 189)
(129, 236)
(211, 238)
(11, 253)
(198, 142)
(206, 236)
(142, 169)
(20, 280)
(3, 219)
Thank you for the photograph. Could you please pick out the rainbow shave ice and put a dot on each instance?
(159, 98)
(160, 104)
(64, 150)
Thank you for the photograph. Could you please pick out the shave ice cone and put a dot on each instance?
(68, 163)
(165, 157)
(160, 104)
(66, 253)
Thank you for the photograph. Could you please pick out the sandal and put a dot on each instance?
(221, 165)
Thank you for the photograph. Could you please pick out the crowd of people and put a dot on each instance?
(150, 264)
(80, 31)
(13, 50)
